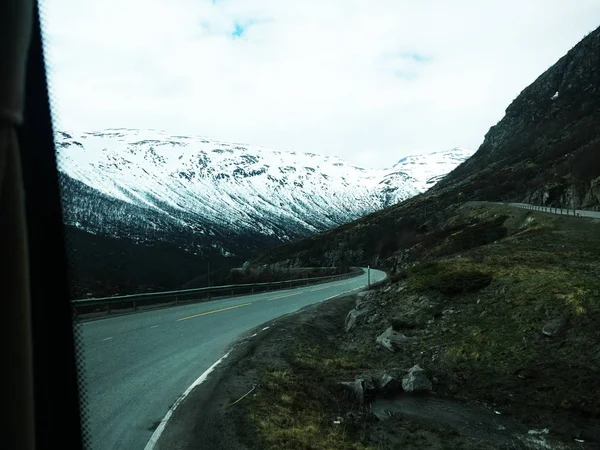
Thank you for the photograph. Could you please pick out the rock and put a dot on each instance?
(352, 319)
(392, 340)
(416, 380)
(373, 318)
(356, 389)
(361, 389)
(369, 389)
(362, 300)
(387, 385)
(554, 327)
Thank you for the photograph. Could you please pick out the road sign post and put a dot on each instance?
(369, 277)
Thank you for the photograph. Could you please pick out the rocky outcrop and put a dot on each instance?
(592, 196)
(416, 380)
(546, 148)
(352, 319)
(363, 310)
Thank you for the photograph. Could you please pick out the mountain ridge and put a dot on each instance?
(203, 184)
(219, 202)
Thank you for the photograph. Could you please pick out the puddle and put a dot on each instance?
(470, 420)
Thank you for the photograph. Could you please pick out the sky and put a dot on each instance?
(370, 81)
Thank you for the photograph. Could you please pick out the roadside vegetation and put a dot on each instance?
(501, 308)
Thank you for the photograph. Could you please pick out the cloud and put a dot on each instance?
(370, 81)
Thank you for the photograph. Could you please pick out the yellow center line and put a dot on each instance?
(286, 295)
(214, 311)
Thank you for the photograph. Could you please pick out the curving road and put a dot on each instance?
(136, 366)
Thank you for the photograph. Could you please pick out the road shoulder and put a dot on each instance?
(204, 420)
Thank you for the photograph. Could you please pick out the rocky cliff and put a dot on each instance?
(546, 149)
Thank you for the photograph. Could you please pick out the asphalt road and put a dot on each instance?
(136, 366)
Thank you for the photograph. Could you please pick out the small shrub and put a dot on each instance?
(446, 279)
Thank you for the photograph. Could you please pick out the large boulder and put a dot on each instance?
(353, 318)
(416, 380)
(391, 340)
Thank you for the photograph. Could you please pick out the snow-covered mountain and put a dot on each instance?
(429, 168)
(204, 194)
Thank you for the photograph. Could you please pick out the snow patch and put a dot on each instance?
(186, 181)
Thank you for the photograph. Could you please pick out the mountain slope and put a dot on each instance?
(151, 186)
(204, 184)
(218, 202)
(546, 148)
(497, 305)
(545, 151)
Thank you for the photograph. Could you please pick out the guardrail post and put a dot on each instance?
(134, 306)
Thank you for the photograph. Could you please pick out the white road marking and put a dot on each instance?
(153, 326)
(107, 339)
(342, 293)
(163, 423)
(265, 328)
(286, 295)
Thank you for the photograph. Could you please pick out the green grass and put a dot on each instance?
(296, 406)
(546, 268)
(489, 348)
(448, 277)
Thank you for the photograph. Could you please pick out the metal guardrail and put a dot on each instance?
(185, 295)
(549, 209)
(556, 210)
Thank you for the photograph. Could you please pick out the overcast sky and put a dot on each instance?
(369, 81)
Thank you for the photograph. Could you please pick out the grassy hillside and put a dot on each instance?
(483, 284)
